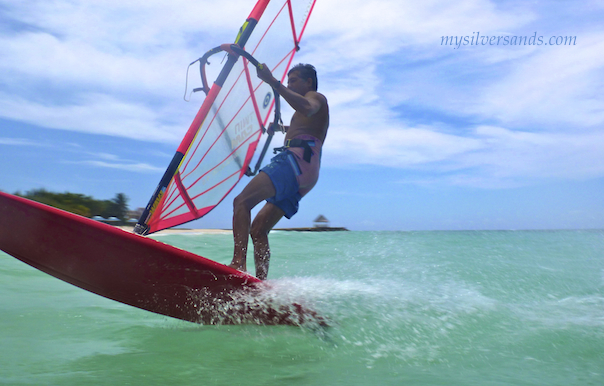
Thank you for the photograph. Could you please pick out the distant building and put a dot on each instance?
(321, 222)
(112, 221)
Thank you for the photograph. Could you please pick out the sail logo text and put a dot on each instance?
(243, 130)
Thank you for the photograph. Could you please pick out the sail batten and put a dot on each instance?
(185, 195)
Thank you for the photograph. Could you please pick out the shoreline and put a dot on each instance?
(184, 231)
(176, 231)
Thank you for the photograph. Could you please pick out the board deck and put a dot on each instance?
(136, 270)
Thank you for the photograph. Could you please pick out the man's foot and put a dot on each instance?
(238, 266)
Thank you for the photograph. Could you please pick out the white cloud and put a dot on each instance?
(113, 161)
(19, 142)
(109, 67)
(131, 167)
(117, 68)
(363, 30)
(508, 158)
(73, 65)
(98, 114)
(514, 154)
(554, 87)
(394, 146)
(530, 92)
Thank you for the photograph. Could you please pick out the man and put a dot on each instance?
(290, 175)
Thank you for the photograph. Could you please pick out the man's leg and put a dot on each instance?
(265, 220)
(259, 189)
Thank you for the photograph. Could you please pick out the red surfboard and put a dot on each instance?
(136, 270)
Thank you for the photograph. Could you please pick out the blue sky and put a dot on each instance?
(423, 136)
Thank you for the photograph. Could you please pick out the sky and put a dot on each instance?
(465, 133)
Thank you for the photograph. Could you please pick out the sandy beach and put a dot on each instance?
(173, 231)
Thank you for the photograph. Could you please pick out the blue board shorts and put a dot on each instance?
(292, 176)
(283, 170)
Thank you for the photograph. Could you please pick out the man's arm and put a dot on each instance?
(307, 105)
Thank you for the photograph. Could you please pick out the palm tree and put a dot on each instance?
(120, 206)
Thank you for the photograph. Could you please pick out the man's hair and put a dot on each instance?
(306, 71)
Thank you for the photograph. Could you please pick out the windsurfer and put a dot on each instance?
(290, 175)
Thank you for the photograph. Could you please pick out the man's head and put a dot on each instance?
(302, 78)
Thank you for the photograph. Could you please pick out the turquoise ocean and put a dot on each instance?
(407, 308)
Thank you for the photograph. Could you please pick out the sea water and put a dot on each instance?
(406, 308)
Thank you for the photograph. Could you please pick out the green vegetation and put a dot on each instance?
(81, 204)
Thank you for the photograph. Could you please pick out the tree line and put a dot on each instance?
(81, 204)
